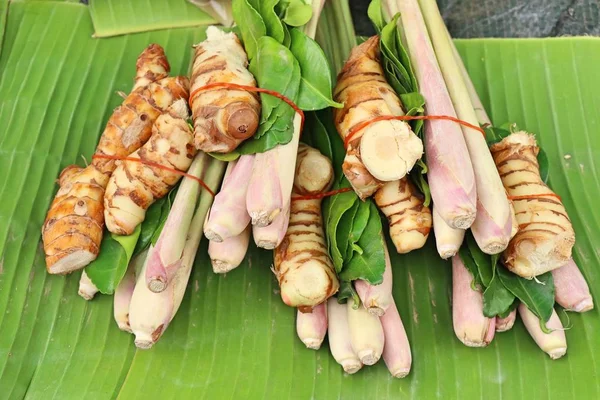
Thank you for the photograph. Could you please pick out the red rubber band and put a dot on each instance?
(364, 124)
(228, 85)
(321, 195)
(156, 165)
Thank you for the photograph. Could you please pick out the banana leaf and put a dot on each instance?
(118, 17)
(233, 337)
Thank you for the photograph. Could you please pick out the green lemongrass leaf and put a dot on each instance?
(276, 124)
(108, 269)
(482, 260)
(375, 14)
(315, 83)
(369, 265)
(297, 13)
(347, 292)
(497, 300)
(537, 295)
(231, 156)
(271, 19)
(250, 23)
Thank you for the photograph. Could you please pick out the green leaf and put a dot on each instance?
(276, 124)
(512, 307)
(494, 135)
(370, 264)
(151, 223)
(251, 25)
(297, 13)
(342, 232)
(483, 261)
(315, 135)
(315, 83)
(347, 292)
(231, 156)
(471, 265)
(497, 299)
(359, 224)
(537, 294)
(108, 269)
(333, 211)
(271, 20)
(544, 164)
(375, 14)
(116, 17)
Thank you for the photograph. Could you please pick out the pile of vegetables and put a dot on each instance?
(266, 141)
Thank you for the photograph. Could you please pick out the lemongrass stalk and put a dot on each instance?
(377, 298)
(366, 334)
(450, 172)
(124, 291)
(336, 34)
(150, 313)
(218, 9)
(470, 325)
(229, 254)
(554, 343)
(338, 332)
(165, 256)
(228, 216)
(311, 327)
(448, 240)
(571, 289)
(310, 29)
(506, 324)
(396, 350)
(87, 289)
(269, 237)
(493, 224)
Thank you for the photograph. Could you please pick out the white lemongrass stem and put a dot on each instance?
(311, 327)
(448, 240)
(269, 237)
(229, 254)
(366, 334)
(165, 257)
(228, 215)
(554, 343)
(310, 29)
(377, 298)
(450, 172)
(124, 291)
(150, 313)
(87, 289)
(338, 332)
(571, 289)
(506, 324)
(493, 224)
(396, 350)
(272, 180)
(470, 325)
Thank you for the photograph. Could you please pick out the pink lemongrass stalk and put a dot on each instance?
(229, 254)
(87, 289)
(572, 291)
(338, 333)
(470, 325)
(366, 334)
(377, 298)
(165, 257)
(311, 327)
(493, 224)
(396, 350)
(269, 237)
(448, 240)
(554, 343)
(124, 292)
(264, 200)
(151, 313)
(506, 324)
(228, 216)
(450, 174)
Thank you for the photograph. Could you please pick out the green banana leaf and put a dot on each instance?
(233, 337)
(119, 17)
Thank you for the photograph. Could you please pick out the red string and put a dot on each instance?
(156, 165)
(321, 195)
(273, 93)
(534, 196)
(364, 124)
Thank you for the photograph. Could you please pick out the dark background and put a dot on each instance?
(506, 18)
